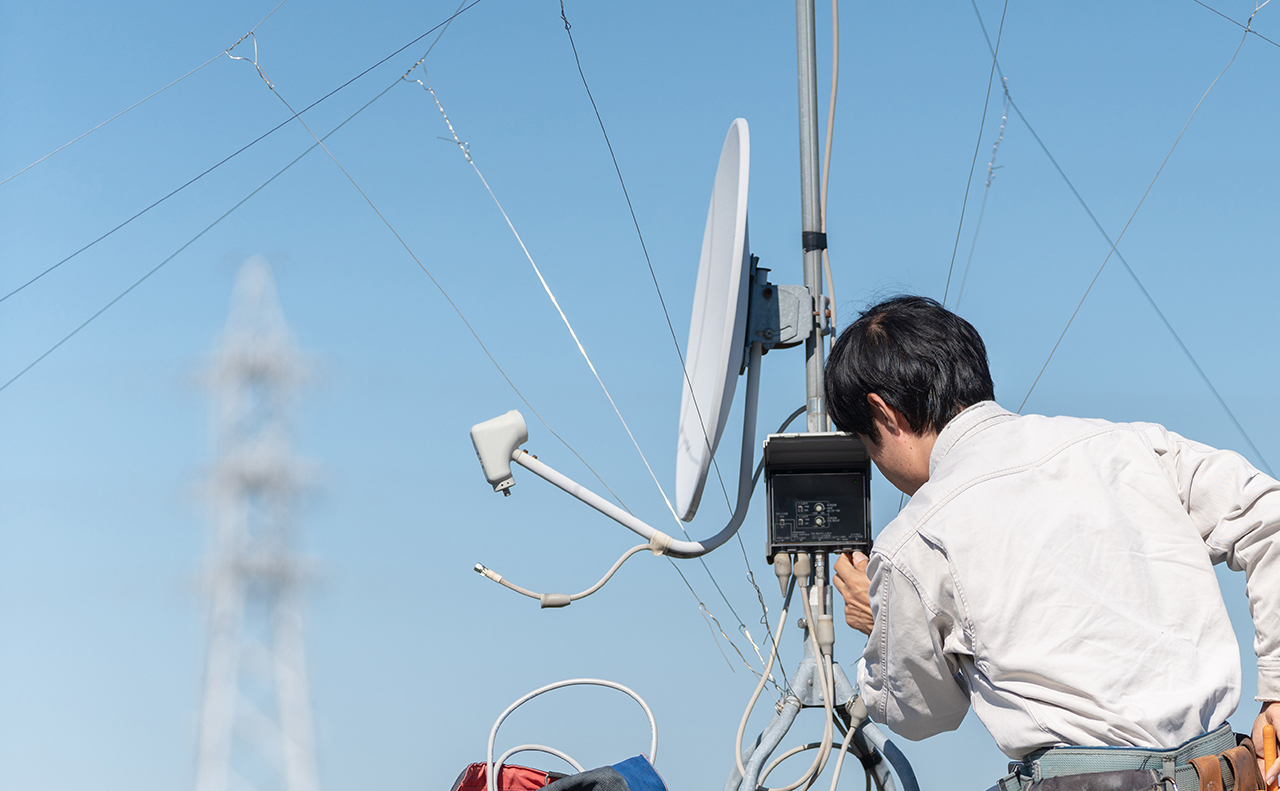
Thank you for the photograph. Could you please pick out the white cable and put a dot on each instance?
(536, 748)
(773, 654)
(555, 597)
(491, 778)
(776, 762)
(826, 154)
(844, 749)
(820, 760)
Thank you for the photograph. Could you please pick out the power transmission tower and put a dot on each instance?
(255, 725)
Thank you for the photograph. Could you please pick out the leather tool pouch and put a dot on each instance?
(1123, 780)
(1244, 765)
(1209, 771)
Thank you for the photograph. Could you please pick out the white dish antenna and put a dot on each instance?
(717, 331)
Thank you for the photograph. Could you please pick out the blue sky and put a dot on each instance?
(411, 654)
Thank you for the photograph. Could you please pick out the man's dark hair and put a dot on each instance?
(922, 359)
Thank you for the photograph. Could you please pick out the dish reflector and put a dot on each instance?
(717, 330)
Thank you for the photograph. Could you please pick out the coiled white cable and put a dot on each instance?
(535, 748)
(490, 767)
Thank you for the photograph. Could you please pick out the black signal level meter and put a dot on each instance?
(819, 493)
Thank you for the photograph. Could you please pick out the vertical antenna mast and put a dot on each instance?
(255, 724)
(810, 222)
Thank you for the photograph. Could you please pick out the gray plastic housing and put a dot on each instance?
(818, 493)
(496, 441)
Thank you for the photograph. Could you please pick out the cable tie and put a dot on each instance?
(813, 240)
(659, 543)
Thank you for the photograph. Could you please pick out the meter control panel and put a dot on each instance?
(819, 493)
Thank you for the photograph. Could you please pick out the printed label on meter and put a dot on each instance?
(818, 508)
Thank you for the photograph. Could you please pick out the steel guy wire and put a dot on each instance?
(1247, 29)
(1119, 256)
(670, 328)
(1159, 170)
(466, 152)
(568, 29)
(244, 148)
(1150, 299)
(976, 147)
(320, 142)
(146, 98)
(279, 173)
(986, 192)
(210, 226)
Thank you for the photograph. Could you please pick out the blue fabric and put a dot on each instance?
(640, 775)
(633, 774)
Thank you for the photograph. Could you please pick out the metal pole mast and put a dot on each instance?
(255, 726)
(810, 220)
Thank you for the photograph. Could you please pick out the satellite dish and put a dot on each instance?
(713, 357)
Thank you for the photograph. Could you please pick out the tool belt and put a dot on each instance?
(1217, 761)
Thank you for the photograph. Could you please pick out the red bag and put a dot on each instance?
(510, 778)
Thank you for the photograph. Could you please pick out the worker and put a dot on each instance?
(1054, 573)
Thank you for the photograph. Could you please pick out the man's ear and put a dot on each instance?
(885, 417)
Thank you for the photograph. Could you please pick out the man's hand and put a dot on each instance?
(1270, 714)
(852, 582)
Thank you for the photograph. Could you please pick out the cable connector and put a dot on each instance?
(825, 632)
(802, 568)
(782, 568)
(490, 573)
(857, 710)
(552, 600)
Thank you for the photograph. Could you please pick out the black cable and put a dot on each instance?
(238, 152)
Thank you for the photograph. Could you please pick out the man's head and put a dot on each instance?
(920, 359)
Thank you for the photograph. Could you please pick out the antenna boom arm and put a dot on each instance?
(659, 541)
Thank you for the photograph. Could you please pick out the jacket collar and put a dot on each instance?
(973, 419)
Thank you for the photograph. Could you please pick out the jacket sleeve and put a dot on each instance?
(1236, 508)
(907, 680)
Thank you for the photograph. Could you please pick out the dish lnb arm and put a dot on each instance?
(496, 442)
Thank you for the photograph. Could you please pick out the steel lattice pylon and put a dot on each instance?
(255, 724)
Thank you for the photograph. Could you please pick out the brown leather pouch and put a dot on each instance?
(1209, 771)
(1244, 765)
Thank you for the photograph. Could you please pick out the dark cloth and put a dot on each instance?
(633, 774)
